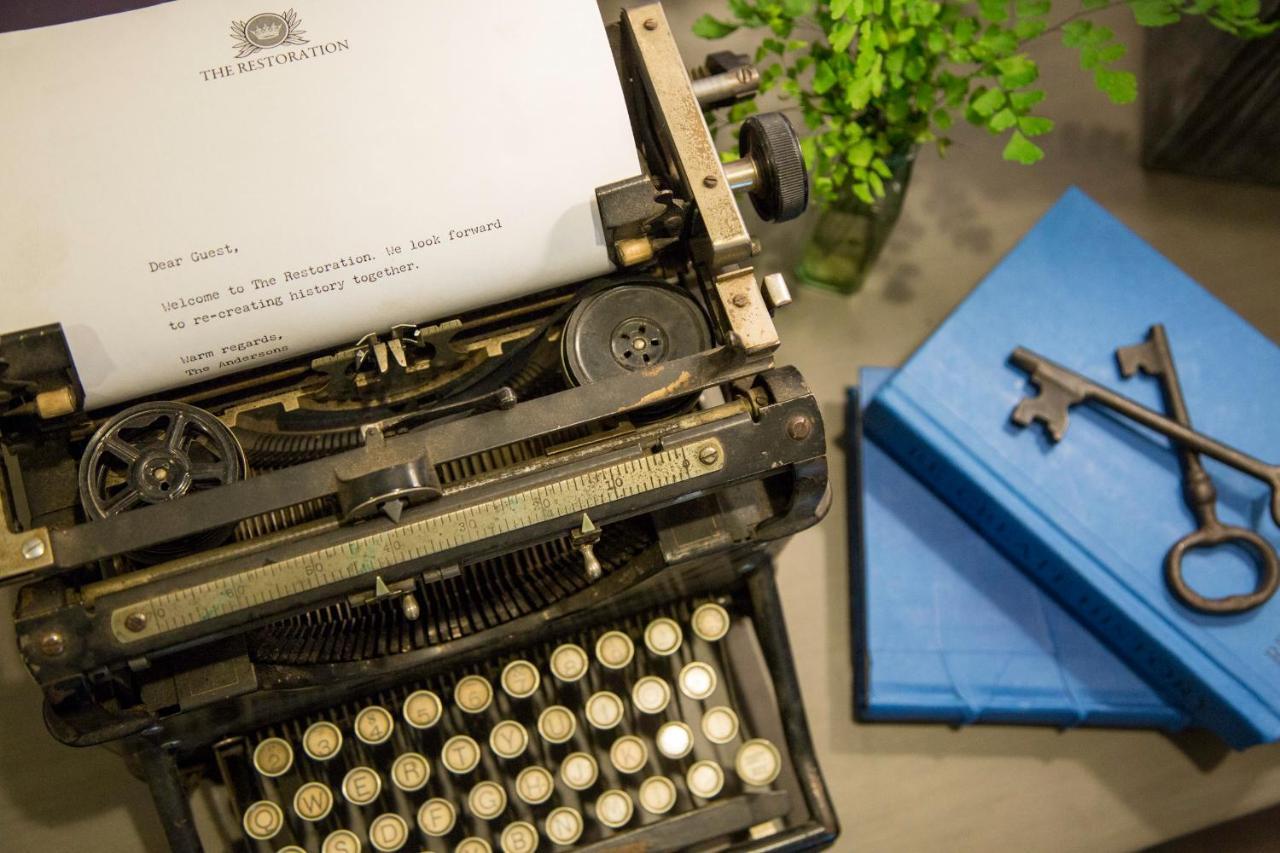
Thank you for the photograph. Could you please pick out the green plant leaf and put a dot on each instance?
(877, 184)
(824, 77)
(995, 11)
(1155, 13)
(942, 119)
(863, 193)
(742, 109)
(1095, 57)
(1019, 149)
(1120, 86)
(1033, 8)
(1026, 30)
(1023, 101)
(987, 102)
(997, 42)
(711, 28)
(1002, 121)
(1076, 33)
(861, 153)
(1035, 125)
(1017, 71)
(842, 35)
(839, 8)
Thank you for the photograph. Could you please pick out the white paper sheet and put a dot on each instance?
(206, 185)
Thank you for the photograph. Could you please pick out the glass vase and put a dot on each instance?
(850, 234)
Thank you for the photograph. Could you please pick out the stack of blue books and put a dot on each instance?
(1006, 578)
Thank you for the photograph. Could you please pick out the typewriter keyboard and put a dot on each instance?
(640, 731)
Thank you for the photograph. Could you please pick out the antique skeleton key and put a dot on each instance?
(1062, 388)
(1155, 358)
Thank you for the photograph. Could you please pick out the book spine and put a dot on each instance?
(993, 510)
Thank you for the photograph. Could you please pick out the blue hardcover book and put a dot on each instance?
(950, 631)
(1092, 517)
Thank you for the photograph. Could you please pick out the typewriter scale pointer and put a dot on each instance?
(500, 581)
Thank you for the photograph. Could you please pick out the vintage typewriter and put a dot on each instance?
(500, 581)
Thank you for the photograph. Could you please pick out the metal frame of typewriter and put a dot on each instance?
(84, 630)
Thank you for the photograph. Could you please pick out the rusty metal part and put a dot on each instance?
(678, 115)
(746, 312)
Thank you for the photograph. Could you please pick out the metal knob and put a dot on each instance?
(781, 189)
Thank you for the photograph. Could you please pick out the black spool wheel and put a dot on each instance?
(631, 327)
(157, 452)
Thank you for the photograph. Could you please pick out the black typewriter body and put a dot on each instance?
(500, 581)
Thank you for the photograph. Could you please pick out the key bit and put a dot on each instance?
(1059, 391)
(1143, 357)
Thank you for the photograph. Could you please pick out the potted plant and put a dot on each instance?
(874, 80)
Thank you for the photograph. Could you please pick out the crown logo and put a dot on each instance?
(266, 30)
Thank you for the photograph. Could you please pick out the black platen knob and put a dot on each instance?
(782, 189)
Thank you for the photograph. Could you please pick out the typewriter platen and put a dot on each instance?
(497, 581)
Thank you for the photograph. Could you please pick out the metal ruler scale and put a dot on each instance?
(414, 540)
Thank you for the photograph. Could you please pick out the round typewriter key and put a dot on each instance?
(322, 740)
(262, 820)
(273, 757)
(675, 739)
(557, 724)
(697, 680)
(651, 695)
(422, 709)
(615, 650)
(720, 724)
(579, 771)
(487, 800)
(361, 785)
(534, 785)
(473, 694)
(657, 795)
(436, 817)
(564, 825)
(614, 808)
(373, 725)
(473, 845)
(569, 662)
(629, 754)
(711, 622)
(508, 739)
(388, 832)
(604, 710)
(313, 801)
(704, 779)
(758, 762)
(460, 754)
(410, 771)
(292, 848)
(520, 679)
(663, 636)
(519, 837)
(341, 841)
